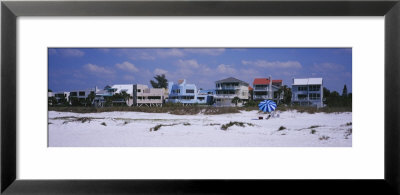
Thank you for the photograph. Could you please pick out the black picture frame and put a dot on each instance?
(11, 10)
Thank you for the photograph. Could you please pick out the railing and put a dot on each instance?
(228, 88)
(306, 99)
(261, 88)
(185, 101)
(149, 101)
(260, 97)
(225, 95)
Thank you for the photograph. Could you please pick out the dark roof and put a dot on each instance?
(231, 80)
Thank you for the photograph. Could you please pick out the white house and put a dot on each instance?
(265, 88)
(143, 95)
(62, 97)
(308, 91)
(118, 88)
(229, 88)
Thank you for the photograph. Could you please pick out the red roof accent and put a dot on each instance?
(276, 81)
(260, 81)
(250, 88)
(264, 81)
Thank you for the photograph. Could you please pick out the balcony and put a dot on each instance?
(225, 95)
(228, 88)
(300, 99)
(148, 101)
(260, 88)
(259, 97)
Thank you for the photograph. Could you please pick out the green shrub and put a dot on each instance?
(157, 127)
(313, 131)
(281, 128)
(314, 126)
(230, 124)
(324, 137)
(348, 133)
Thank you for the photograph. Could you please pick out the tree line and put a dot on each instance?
(334, 99)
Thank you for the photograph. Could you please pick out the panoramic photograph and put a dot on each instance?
(199, 97)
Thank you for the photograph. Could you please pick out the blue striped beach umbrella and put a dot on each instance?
(267, 106)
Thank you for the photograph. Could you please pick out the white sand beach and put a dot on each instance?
(119, 129)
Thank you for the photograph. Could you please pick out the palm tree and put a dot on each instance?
(125, 96)
(235, 100)
(287, 94)
(90, 98)
(344, 92)
(161, 81)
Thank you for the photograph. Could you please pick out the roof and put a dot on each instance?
(232, 80)
(250, 88)
(128, 88)
(307, 81)
(264, 81)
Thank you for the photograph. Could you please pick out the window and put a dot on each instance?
(314, 96)
(261, 87)
(139, 97)
(154, 97)
(138, 90)
(302, 88)
(260, 93)
(189, 90)
(187, 97)
(314, 88)
(73, 94)
(81, 93)
(302, 96)
(200, 98)
(178, 91)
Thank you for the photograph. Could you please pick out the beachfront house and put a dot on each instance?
(251, 93)
(308, 91)
(61, 97)
(50, 96)
(205, 96)
(120, 89)
(264, 89)
(79, 97)
(182, 92)
(227, 89)
(101, 96)
(143, 95)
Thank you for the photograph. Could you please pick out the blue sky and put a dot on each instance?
(83, 68)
